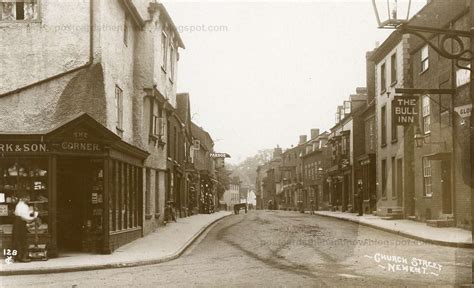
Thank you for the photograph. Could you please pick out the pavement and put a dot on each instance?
(446, 236)
(165, 244)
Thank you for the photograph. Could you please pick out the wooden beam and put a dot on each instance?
(424, 91)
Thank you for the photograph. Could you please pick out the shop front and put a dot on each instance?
(367, 178)
(85, 182)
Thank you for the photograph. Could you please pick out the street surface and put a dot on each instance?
(284, 249)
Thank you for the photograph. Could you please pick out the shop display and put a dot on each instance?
(23, 178)
(93, 222)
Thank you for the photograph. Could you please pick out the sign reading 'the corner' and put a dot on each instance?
(405, 110)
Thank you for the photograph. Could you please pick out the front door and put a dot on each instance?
(72, 187)
(446, 186)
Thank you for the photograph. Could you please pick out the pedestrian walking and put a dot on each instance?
(312, 207)
(23, 215)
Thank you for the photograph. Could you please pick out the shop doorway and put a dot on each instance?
(74, 184)
(446, 186)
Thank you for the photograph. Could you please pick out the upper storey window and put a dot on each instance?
(14, 10)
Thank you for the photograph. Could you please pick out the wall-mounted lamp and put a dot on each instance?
(420, 140)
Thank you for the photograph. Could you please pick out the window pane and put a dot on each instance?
(112, 196)
(31, 11)
(23, 178)
(8, 11)
(393, 66)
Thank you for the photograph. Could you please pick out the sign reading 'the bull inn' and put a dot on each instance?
(404, 110)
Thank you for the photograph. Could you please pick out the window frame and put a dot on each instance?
(393, 68)
(164, 46)
(119, 109)
(383, 125)
(172, 63)
(38, 12)
(427, 177)
(383, 77)
(383, 165)
(424, 59)
(426, 114)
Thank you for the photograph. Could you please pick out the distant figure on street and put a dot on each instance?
(312, 207)
(270, 205)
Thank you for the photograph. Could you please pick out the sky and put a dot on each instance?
(262, 73)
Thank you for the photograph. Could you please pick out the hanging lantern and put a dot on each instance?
(392, 13)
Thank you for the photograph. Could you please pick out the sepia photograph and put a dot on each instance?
(236, 143)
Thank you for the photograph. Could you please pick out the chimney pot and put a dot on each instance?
(314, 133)
(303, 139)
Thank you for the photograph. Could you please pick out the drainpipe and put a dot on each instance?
(89, 62)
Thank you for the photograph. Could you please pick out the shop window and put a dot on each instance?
(95, 211)
(147, 192)
(384, 178)
(157, 192)
(127, 202)
(424, 58)
(124, 196)
(112, 196)
(24, 178)
(13, 10)
(426, 113)
(427, 178)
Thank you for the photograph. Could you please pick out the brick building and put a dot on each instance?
(442, 161)
(316, 160)
(346, 140)
(366, 163)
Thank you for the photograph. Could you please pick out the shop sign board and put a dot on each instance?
(23, 147)
(405, 110)
(464, 111)
(73, 146)
(219, 155)
(66, 146)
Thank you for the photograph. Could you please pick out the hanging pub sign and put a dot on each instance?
(405, 110)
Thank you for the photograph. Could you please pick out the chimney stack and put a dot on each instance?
(303, 139)
(314, 133)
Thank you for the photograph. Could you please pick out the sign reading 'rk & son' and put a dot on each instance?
(405, 110)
